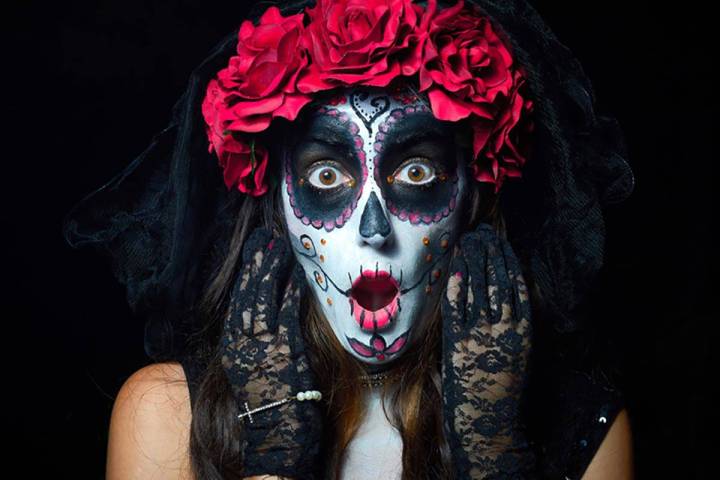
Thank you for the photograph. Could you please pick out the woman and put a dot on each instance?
(350, 302)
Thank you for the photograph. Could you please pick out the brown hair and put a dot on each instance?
(415, 401)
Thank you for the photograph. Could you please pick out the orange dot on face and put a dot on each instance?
(329, 301)
(322, 258)
(428, 289)
(323, 241)
(428, 258)
(444, 243)
(390, 179)
(436, 274)
(426, 241)
(306, 245)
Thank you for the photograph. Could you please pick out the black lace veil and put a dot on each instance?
(159, 218)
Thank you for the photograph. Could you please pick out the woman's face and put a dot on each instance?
(372, 189)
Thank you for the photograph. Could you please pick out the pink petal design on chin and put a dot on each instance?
(378, 343)
(361, 349)
(398, 344)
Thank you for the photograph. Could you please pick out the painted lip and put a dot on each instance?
(374, 299)
(377, 347)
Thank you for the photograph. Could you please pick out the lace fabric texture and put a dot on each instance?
(486, 345)
(265, 361)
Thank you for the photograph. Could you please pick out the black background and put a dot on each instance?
(89, 83)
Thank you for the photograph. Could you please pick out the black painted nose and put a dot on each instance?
(374, 225)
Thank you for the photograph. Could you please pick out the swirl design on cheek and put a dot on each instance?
(339, 221)
(413, 215)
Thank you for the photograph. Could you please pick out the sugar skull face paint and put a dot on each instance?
(372, 189)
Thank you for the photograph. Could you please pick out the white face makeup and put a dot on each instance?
(372, 189)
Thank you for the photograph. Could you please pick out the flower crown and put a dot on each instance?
(454, 54)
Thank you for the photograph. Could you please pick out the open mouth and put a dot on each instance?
(374, 299)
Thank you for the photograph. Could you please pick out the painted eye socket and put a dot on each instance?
(415, 172)
(327, 176)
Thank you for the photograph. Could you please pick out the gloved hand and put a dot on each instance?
(265, 361)
(486, 343)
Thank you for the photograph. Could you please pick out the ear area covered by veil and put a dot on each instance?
(153, 218)
(554, 213)
(158, 218)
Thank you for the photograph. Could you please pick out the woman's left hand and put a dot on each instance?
(265, 361)
(486, 343)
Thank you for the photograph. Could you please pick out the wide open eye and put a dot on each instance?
(328, 175)
(416, 171)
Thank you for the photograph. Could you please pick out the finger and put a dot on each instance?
(256, 241)
(477, 304)
(498, 282)
(288, 317)
(272, 274)
(234, 322)
(452, 306)
(253, 254)
(520, 298)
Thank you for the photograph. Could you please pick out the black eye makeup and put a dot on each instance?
(417, 167)
(325, 170)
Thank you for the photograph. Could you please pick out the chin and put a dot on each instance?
(377, 350)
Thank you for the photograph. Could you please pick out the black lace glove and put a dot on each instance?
(486, 342)
(265, 361)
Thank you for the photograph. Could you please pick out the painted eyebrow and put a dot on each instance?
(330, 133)
(410, 133)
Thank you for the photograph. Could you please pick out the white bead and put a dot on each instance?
(301, 396)
(602, 420)
(318, 395)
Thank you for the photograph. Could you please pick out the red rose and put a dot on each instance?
(240, 164)
(367, 42)
(468, 71)
(506, 139)
(465, 65)
(259, 82)
(244, 164)
(257, 85)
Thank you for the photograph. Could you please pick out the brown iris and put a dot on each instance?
(327, 176)
(416, 174)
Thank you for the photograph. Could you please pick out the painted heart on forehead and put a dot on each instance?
(372, 194)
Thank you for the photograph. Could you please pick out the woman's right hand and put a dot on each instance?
(486, 343)
(265, 361)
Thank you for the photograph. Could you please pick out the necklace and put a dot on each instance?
(377, 379)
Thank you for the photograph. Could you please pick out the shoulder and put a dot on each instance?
(150, 425)
(614, 457)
